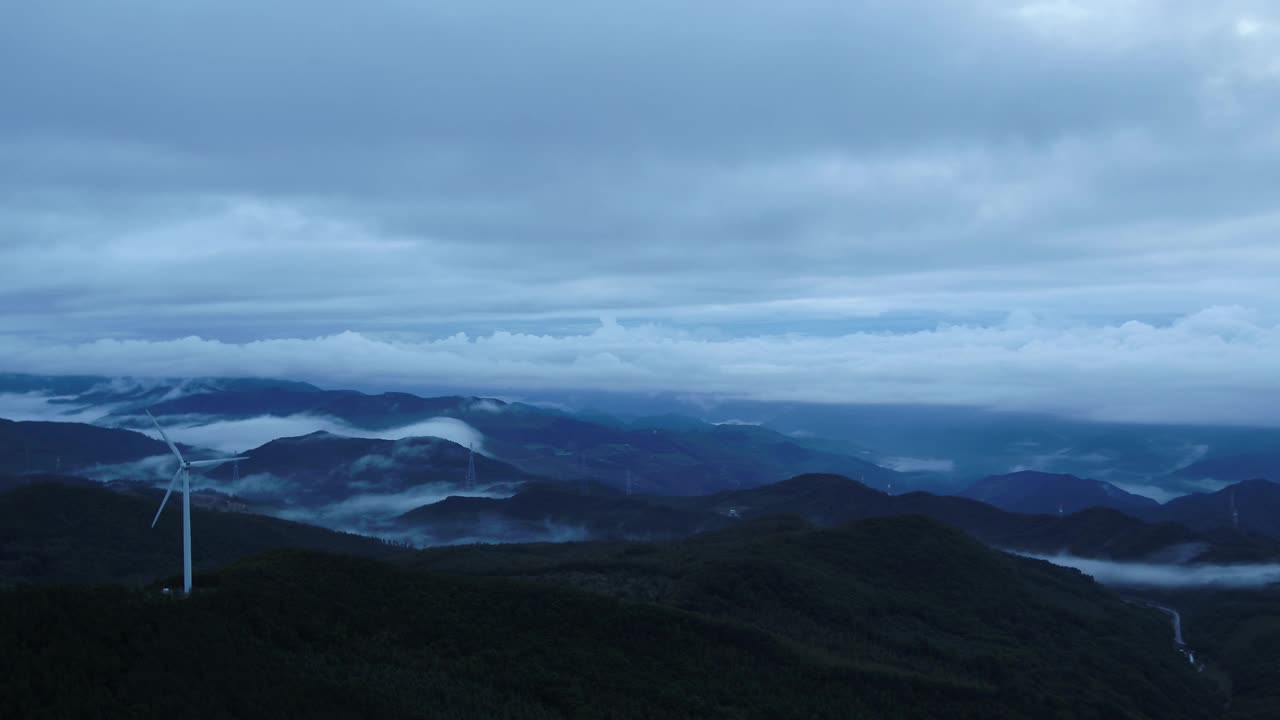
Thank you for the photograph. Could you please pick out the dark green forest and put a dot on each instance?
(51, 531)
(882, 618)
(1236, 633)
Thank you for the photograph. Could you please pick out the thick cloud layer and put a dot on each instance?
(769, 193)
(1216, 366)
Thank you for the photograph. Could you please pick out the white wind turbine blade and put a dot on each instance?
(172, 447)
(212, 463)
(168, 492)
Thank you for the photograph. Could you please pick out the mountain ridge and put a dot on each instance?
(1036, 492)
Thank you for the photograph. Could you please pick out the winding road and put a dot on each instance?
(1177, 622)
(1176, 618)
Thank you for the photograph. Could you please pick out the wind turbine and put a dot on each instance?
(184, 471)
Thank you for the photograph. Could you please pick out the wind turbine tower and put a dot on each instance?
(1235, 514)
(470, 483)
(184, 472)
(628, 481)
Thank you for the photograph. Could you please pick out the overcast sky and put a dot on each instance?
(1062, 205)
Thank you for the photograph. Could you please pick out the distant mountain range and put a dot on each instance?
(1250, 506)
(373, 485)
(132, 394)
(936, 448)
(323, 468)
(1263, 465)
(550, 512)
(1048, 493)
(662, 455)
(654, 455)
(693, 460)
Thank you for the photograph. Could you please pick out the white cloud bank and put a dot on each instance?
(42, 407)
(1129, 574)
(1165, 494)
(363, 511)
(231, 436)
(1213, 366)
(915, 464)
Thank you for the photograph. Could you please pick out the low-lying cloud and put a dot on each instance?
(154, 468)
(914, 464)
(255, 486)
(388, 505)
(232, 436)
(1133, 574)
(159, 470)
(43, 407)
(373, 513)
(494, 530)
(1176, 488)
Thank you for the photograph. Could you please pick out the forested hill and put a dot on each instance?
(898, 618)
(60, 530)
(825, 500)
(69, 447)
(903, 593)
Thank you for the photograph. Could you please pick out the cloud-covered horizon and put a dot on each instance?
(1061, 205)
(1211, 367)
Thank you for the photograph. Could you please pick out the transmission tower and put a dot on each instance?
(470, 482)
